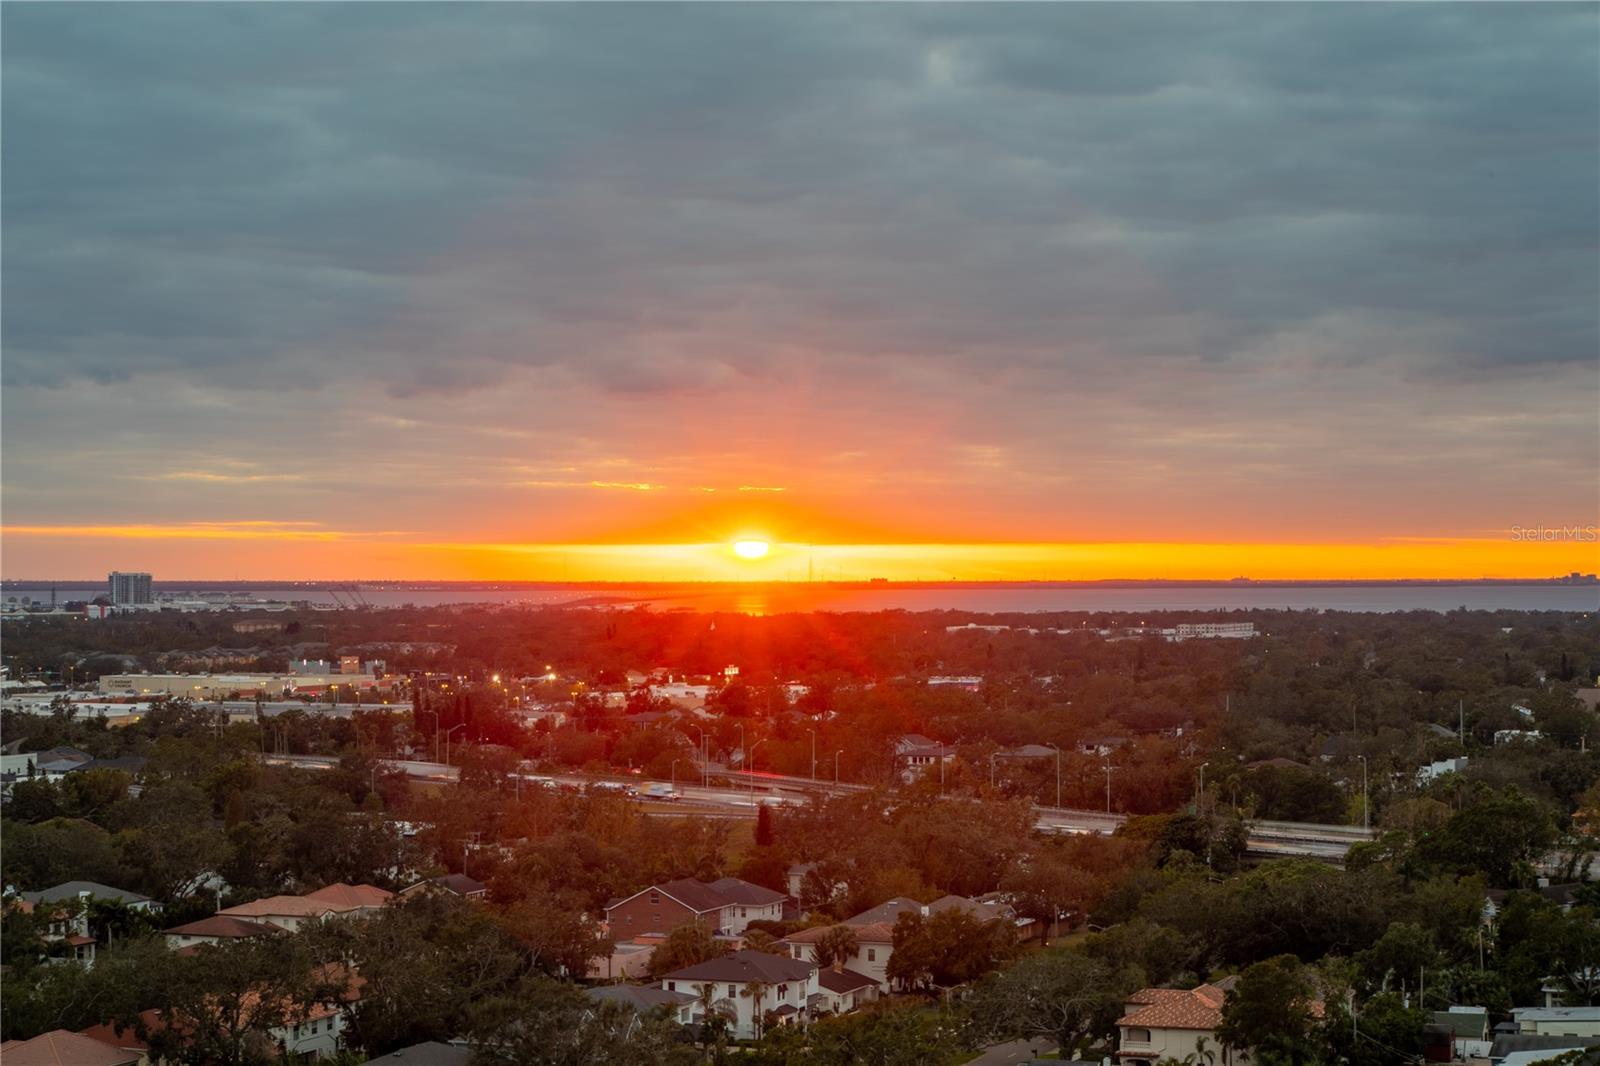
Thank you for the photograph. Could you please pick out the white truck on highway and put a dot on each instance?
(657, 791)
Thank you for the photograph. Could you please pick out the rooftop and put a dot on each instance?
(59, 1047)
(746, 966)
(222, 926)
(70, 890)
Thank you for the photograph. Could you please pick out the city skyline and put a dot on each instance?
(923, 293)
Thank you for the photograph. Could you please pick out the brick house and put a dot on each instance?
(728, 906)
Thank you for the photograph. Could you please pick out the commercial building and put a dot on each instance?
(219, 686)
(130, 588)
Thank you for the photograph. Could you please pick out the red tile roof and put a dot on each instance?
(1184, 1008)
(59, 1047)
(223, 926)
(1175, 1008)
(348, 897)
(286, 906)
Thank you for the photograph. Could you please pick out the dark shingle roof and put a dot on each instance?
(693, 894)
(431, 1053)
(640, 997)
(736, 891)
(69, 890)
(845, 980)
(745, 966)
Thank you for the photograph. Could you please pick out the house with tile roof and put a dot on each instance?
(215, 930)
(291, 912)
(357, 901)
(61, 1047)
(1170, 1023)
(749, 988)
(285, 912)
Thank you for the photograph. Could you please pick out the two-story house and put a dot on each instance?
(874, 945)
(749, 989)
(1171, 1023)
(68, 906)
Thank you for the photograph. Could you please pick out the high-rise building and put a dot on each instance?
(130, 588)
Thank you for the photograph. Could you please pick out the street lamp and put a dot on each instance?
(1057, 750)
(836, 767)
(447, 733)
(705, 758)
(744, 763)
(813, 733)
(1109, 771)
(674, 772)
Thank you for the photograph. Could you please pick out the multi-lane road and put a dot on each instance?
(748, 791)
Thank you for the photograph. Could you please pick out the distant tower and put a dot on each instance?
(811, 568)
(129, 587)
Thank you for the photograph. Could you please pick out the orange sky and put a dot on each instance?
(1037, 291)
(282, 552)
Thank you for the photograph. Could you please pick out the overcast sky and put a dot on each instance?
(537, 273)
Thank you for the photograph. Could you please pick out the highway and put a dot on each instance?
(1266, 839)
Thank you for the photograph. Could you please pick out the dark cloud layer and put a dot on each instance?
(1025, 217)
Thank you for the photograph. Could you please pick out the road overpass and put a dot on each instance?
(1266, 839)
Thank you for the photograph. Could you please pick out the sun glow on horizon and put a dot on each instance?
(751, 549)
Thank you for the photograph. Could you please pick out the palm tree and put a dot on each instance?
(756, 991)
(713, 1016)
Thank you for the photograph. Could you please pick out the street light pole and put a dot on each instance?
(1109, 770)
(749, 771)
(447, 735)
(836, 767)
(744, 763)
(1057, 750)
(813, 733)
(674, 772)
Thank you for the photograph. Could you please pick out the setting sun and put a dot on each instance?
(751, 549)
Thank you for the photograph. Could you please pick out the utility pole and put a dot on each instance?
(836, 767)
(813, 733)
(1109, 771)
